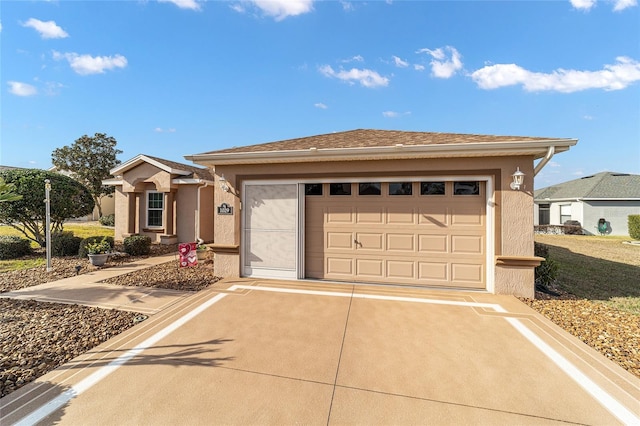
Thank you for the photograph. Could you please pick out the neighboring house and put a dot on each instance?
(168, 201)
(372, 206)
(607, 195)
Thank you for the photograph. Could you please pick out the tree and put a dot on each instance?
(89, 160)
(68, 199)
(7, 192)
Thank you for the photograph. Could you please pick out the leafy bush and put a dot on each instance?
(547, 272)
(96, 239)
(65, 244)
(108, 220)
(634, 226)
(101, 247)
(12, 247)
(137, 245)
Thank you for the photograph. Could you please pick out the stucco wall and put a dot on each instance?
(616, 213)
(513, 225)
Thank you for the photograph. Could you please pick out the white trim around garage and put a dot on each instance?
(300, 214)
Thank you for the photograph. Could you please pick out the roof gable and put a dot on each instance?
(604, 185)
(185, 171)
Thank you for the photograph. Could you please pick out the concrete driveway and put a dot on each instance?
(273, 352)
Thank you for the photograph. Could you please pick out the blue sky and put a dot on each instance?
(177, 77)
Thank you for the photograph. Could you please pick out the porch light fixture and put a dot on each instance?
(223, 184)
(518, 178)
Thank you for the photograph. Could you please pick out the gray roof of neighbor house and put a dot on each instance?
(604, 185)
(387, 144)
(196, 172)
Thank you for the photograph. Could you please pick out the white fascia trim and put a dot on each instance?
(609, 199)
(112, 182)
(181, 181)
(397, 151)
(557, 200)
(139, 159)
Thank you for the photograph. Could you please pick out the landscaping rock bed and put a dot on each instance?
(36, 338)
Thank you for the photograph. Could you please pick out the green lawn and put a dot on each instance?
(79, 229)
(597, 268)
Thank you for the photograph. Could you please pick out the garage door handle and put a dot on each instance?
(357, 243)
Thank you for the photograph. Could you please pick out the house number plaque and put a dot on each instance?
(225, 208)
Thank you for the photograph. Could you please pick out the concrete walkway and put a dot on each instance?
(276, 352)
(86, 289)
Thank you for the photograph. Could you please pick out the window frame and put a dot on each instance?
(148, 209)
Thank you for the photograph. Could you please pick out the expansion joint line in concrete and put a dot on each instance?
(344, 336)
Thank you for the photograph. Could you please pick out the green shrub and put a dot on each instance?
(64, 244)
(108, 220)
(12, 247)
(82, 251)
(547, 272)
(137, 245)
(634, 226)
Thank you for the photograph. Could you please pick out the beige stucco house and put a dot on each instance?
(167, 201)
(373, 206)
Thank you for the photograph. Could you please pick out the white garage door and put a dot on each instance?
(270, 230)
(417, 233)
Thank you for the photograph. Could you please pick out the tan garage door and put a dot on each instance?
(417, 233)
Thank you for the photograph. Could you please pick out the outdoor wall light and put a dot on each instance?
(223, 184)
(518, 178)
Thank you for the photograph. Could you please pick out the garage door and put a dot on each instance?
(416, 233)
(270, 230)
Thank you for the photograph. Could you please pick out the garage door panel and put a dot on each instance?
(436, 217)
(467, 273)
(433, 271)
(369, 268)
(339, 214)
(462, 244)
(433, 243)
(339, 266)
(401, 242)
(366, 216)
(467, 216)
(339, 240)
(369, 241)
(400, 215)
(400, 269)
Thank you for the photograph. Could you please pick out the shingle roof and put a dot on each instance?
(365, 138)
(605, 185)
(197, 172)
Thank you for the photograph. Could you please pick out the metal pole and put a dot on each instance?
(47, 202)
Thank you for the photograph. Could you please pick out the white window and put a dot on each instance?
(565, 213)
(155, 209)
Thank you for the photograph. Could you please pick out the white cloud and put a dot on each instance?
(347, 6)
(21, 89)
(588, 117)
(282, 9)
(623, 4)
(394, 114)
(446, 61)
(365, 77)
(357, 58)
(161, 130)
(399, 62)
(183, 4)
(618, 5)
(418, 67)
(320, 105)
(583, 4)
(612, 77)
(48, 29)
(87, 64)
